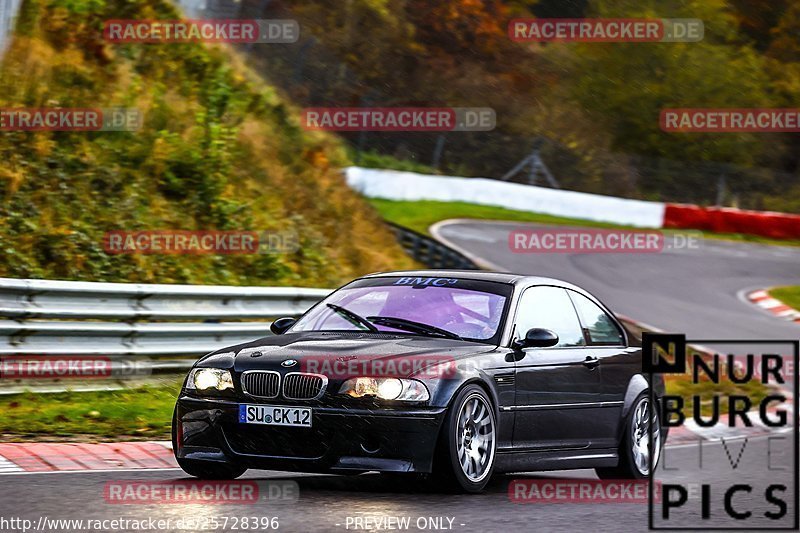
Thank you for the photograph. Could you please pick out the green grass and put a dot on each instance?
(705, 390)
(681, 385)
(145, 412)
(420, 215)
(218, 149)
(788, 295)
(139, 413)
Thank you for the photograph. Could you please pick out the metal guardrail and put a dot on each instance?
(126, 322)
(121, 339)
(430, 252)
(135, 352)
(25, 303)
(25, 298)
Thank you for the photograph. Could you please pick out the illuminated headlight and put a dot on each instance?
(386, 389)
(203, 379)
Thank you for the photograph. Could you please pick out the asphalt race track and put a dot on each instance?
(697, 292)
(326, 502)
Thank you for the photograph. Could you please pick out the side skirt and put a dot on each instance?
(526, 461)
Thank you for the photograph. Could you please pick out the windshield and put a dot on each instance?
(472, 310)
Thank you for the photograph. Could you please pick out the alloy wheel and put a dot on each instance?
(643, 418)
(475, 437)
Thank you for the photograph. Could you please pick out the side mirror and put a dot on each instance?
(538, 338)
(280, 326)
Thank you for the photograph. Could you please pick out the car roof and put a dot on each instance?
(480, 275)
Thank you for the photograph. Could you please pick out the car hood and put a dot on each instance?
(345, 352)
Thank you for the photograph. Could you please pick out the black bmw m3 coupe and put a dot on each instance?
(452, 375)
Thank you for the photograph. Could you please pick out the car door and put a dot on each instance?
(617, 363)
(558, 392)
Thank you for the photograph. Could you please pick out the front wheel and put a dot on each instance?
(634, 448)
(468, 442)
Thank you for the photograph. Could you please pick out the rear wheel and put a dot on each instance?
(203, 469)
(634, 448)
(468, 443)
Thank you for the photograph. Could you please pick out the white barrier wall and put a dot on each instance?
(395, 185)
(8, 14)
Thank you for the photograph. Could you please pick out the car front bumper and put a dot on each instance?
(340, 439)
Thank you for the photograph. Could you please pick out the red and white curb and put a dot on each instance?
(57, 457)
(7, 467)
(762, 299)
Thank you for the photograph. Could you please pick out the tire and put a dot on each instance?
(203, 469)
(467, 446)
(634, 447)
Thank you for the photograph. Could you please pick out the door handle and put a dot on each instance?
(591, 362)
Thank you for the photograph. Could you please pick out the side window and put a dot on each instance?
(600, 327)
(549, 308)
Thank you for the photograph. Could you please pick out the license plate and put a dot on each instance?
(275, 415)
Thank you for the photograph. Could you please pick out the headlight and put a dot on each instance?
(203, 379)
(386, 389)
